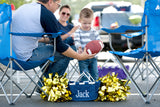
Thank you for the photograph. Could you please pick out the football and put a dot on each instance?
(94, 46)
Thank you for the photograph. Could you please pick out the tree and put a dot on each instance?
(16, 3)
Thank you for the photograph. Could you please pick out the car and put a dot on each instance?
(107, 13)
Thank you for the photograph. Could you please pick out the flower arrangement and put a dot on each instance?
(105, 70)
(56, 88)
(112, 88)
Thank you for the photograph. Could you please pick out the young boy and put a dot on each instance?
(82, 36)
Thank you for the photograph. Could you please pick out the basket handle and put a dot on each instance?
(86, 74)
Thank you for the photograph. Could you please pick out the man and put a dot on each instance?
(38, 18)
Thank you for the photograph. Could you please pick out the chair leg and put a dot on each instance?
(5, 93)
(150, 88)
(130, 77)
(73, 66)
(8, 78)
(43, 69)
(12, 101)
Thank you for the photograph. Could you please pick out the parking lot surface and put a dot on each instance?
(133, 99)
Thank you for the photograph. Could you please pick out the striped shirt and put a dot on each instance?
(82, 37)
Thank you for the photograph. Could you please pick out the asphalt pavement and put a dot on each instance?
(134, 99)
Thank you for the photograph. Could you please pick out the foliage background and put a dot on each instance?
(76, 5)
(16, 3)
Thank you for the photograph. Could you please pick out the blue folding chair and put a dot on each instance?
(144, 56)
(8, 58)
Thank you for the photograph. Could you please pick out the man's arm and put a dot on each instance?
(71, 53)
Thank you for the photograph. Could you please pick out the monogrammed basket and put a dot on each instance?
(84, 91)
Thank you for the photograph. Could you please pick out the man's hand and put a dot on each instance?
(80, 50)
(85, 56)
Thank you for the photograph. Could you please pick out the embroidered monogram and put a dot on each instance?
(84, 94)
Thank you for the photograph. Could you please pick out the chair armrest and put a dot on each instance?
(50, 35)
(54, 35)
(123, 29)
(131, 35)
